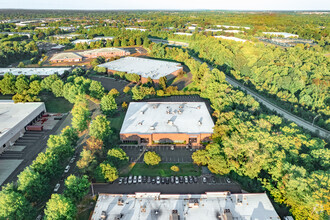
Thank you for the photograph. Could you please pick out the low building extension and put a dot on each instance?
(155, 69)
(211, 205)
(179, 123)
(14, 118)
(105, 52)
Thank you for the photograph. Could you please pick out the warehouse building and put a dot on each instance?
(14, 117)
(230, 38)
(66, 57)
(279, 34)
(211, 205)
(42, 72)
(105, 52)
(83, 41)
(179, 123)
(155, 69)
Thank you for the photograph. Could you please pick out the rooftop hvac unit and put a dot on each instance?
(200, 123)
(140, 123)
(199, 107)
(180, 112)
(152, 127)
(170, 122)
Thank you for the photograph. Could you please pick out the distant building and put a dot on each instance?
(63, 36)
(66, 57)
(211, 205)
(233, 31)
(152, 68)
(234, 27)
(17, 33)
(284, 34)
(104, 38)
(230, 38)
(181, 123)
(182, 33)
(43, 72)
(14, 117)
(105, 52)
(135, 29)
(83, 41)
(213, 30)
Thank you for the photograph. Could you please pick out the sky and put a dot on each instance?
(168, 4)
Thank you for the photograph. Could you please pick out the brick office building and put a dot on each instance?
(155, 69)
(181, 123)
(105, 52)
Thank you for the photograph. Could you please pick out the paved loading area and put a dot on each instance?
(178, 155)
(7, 167)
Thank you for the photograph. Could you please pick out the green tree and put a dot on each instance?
(76, 187)
(117, 156)
(71, 134)
(151, 158)
(60, 207)
(100, 128)
(86, 158)
(96, 90)
(163, 82)
(126, 89)
(108, 104)
(110, 173)
(35, 88)
(80, 117)
(13, 205)
(57, 88)
(7, 84)
(47, 82)
(21, 65)
(132, 77)
(21, 84)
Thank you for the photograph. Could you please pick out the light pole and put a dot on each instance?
(315, 118)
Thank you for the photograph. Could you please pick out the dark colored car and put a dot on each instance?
(149, 179)
(191, 180)
(172, 179)
(181, 179)
(153, 180)
(213, 179)
(195, 179)
(163, 180)
(144, 179)
(125, 180)
(167, 180)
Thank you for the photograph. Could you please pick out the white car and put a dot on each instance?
(57, 186)
(73, 159)
(67, 168)
(135, 179)
(228, 180)
(140, 179)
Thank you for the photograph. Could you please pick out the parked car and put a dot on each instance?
(130, 180)
(125, 180)
(120, 180)
(153, 180)
(191, 179)
(177, 181)
(73, 159)
(135, 179)
(57, 186)
(172, 179)
(228, 180)
(195, 179)
(204, 180)
(172, 147)
(186, 180)
(181, 179)
(213, 179)
(158, 180)
(167, 180)
(162, 180)
(149, 179)
(139, 179)
(144, 179)
(67, 168)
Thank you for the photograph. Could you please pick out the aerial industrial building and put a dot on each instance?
(211, 205)
(230, 38)
(66, 57)
(284, 34)
(14, 117)
(43, 72)
(155, 69)
(180, 123)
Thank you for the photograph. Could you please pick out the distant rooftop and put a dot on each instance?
(67, 55)
(154, 69)
(103, 38)
(230, 38)
(34, 71)
(135, 29)
(167, 117)
(82, 41)
(285, 34)
(211, 205)
(182, 33)
(235, 27)
(102, 50)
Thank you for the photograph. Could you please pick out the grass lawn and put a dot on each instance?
(117, 120)
(54, 104)
(164, 170)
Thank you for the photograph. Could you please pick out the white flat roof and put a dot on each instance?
(154, 69)
(149, 206)
(285, 34)
(181, 33)
(87, 41)
(230, 26)
(167, 117)
(34, 71)
(230, 38)
(12, 114)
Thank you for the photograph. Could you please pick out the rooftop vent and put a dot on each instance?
(152, 128)
(104, 215)
(140, 123)
(200, 123)
(199, 107)
(180, 112)
(120, 202)
(170, 122)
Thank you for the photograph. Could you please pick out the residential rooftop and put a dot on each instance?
(211, 205)
(167, 117)
(154, 69)
(34, 71)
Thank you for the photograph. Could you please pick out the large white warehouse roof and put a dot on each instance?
(167, 117)
(154, 69)
(34, 71)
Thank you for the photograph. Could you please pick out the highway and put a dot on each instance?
(291, 117)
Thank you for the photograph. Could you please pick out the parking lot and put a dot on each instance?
(212, 184)
(178, 155)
